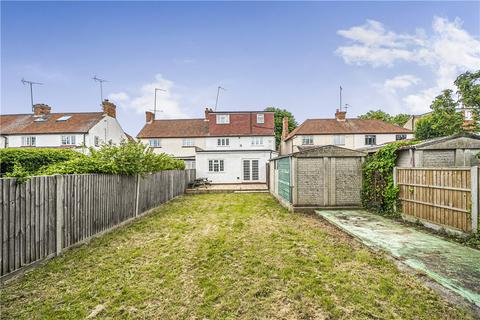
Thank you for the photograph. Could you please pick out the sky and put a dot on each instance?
(394, 56)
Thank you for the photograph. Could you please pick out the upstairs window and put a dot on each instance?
(187, 142)
(29, 141)
(339, 140)
(154, 143)
(223, 118)
(260, 118)
(215, 165)
(96, 141)
(400, 137)
(68, 140)
(307, 140)
(223, 142)
(257, 141)
(370, 140)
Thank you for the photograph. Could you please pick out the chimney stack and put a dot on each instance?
(285, 128)
(149, 116)
(340, 115)
(41, 109)
(109, 108)
(207, 111)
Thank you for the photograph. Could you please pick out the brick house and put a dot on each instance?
(225, 147)
(340, 131)
(44, 129)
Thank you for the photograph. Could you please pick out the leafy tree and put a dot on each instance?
(279, 115)
(399, 119)
(443, 121)
(468, 90)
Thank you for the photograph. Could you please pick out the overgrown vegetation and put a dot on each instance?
(223, 256)
(279, 115)
(399, 119)
(379, 194)
(128, 158)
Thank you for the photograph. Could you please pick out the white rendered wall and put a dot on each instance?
(174, 146)
(240, 143)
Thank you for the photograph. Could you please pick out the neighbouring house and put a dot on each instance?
(44, 129)
(318, 177)
(225, 146)
(467, 114)
(458, 150)
(340, 131)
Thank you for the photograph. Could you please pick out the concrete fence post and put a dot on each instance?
(395, 183)
(137, 195)
(59, 213)
(475, 197)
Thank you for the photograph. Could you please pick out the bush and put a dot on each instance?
(31, 160)
(378, 191)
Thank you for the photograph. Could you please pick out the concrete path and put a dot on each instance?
(452, 265)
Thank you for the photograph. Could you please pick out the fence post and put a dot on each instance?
(475, 198)
(137, 194)
(59, 213)
(395, 183)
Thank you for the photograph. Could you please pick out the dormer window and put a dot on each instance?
(260, 118)
(223, 118)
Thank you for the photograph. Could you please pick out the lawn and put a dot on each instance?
(223, 256)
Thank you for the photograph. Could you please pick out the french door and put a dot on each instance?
(250, 170)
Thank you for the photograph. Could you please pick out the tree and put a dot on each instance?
(444, 120)
(399, 119)
(279, 115)
(468, 91)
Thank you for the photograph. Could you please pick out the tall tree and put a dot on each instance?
(468, 91)
(399, 119)
(444, 119)
(279, 115)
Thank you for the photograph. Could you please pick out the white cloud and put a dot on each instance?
(448, 51)
(168, 105)
(400, 82)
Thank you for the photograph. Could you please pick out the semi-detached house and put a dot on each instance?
(45, 129)
(340, 131)
(225, 147)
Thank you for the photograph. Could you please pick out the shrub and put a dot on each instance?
(378, 191)
(31, 160)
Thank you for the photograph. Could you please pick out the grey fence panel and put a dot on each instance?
(44, 215)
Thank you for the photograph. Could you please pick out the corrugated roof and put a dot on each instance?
(177, 128)
(28, 124)
(349, 126)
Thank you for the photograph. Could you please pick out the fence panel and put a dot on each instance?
(442, 196)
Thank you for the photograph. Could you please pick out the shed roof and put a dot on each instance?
(325, 151)
(456, 141)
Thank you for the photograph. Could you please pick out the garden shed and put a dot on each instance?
(318, 177)
(453, 151)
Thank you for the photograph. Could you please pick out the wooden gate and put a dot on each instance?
(443, 196)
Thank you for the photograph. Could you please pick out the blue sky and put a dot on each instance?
(390, 55)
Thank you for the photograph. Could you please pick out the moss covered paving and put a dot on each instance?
(236, 256)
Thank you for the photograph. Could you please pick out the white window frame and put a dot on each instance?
(401, 136)
(220, 163)
(69, 140)
(188, 142)
(29, 141)
(260, 118)
(223, 142)
(155, 143)
(371, 136)
(307, 140)
(257, 141)
(223, 118)
(339, 139)
(468, 115)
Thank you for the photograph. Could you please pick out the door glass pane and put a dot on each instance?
(246, 169)
(254, 169)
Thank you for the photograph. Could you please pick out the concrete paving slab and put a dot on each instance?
(452, 265)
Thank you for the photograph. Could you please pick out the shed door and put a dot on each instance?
(284, 178)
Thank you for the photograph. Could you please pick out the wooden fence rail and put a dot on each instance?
(45, 215)
(445, 197)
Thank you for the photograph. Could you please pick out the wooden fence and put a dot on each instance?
(45, 215)
(445, 197)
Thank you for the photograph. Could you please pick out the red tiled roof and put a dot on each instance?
(26, 124)
(177, 128)
(349, 126)
(242, 124)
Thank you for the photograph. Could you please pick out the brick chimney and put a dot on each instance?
(149, 117)
(41, 109)
(285, 128)
(109, 108)
(340, 115)
(207, 111)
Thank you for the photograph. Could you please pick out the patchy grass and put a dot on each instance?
(223, 256)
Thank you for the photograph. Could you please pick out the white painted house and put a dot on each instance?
(340, 131)
(44, 129)
(225, 147)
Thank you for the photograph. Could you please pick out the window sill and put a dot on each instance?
(189, 146)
